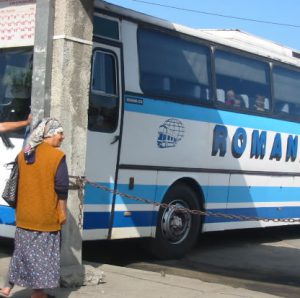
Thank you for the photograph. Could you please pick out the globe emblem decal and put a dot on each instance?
(170, 133)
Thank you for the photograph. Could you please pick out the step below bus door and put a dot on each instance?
(102, 141)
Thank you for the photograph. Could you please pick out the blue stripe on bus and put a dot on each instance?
(262, 212)
(214, 194)
(246, 194)
(94, 195)
(264, 194)
(100, 220)
(96, 220)
(177, 110)
(7, 215)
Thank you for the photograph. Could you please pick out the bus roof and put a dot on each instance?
(233, 38)
(253, 43)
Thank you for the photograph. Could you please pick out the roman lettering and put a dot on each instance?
(239, 142)
(292, 148)
(258, 145)
(276, 148)
(219, 140)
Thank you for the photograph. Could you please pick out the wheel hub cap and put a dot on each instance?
(176, 224)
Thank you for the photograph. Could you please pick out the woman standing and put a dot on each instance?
(40, 211)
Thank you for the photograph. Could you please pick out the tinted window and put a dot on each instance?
(103, 104)
(106, 28)
(286, 91)
(242, 82)
(173, 67)
(15, 86)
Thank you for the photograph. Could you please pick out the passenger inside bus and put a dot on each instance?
(259, 103)
(234, 100)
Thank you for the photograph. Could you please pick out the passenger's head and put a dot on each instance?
(230, 94)
(260, 102)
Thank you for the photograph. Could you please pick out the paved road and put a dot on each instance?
(265, 260)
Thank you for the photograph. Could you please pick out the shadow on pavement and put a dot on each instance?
(265, 260)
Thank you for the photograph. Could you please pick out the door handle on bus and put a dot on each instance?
(116, 139)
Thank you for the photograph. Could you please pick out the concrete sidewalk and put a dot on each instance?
(130, 283)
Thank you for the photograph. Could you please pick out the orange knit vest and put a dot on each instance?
(37, 204)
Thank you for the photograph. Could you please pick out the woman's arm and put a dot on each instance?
(62, 207)
(61, 188)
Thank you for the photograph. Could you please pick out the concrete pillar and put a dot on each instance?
(41, 83)
(71, 63)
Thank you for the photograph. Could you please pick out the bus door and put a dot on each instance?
(102, 140)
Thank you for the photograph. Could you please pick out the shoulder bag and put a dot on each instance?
(10, 191)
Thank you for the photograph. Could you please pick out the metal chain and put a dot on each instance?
(81, 181)
(79, 185)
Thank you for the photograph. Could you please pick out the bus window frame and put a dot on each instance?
(19, 134)
(276, 114)
(105, 96)
(249, 56)
(171, 98)
(213, 102)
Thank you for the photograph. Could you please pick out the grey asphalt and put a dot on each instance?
(130, 283)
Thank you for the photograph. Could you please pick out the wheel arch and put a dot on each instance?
(194, 185)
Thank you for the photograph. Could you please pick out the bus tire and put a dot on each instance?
(176, 232)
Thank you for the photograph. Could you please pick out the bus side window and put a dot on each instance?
(103, 103)
(15, 86)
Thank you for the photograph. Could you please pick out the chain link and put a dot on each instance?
(80, 182)
(79, 185)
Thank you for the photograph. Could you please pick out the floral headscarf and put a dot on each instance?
(48, 127)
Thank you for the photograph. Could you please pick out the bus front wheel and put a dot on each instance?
(176, 231)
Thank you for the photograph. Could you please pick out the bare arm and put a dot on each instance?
(10, 126)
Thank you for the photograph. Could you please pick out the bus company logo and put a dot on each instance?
(170, 133)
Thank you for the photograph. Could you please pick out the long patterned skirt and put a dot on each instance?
(35, 262)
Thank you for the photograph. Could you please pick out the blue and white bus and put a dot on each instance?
(162, 128)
